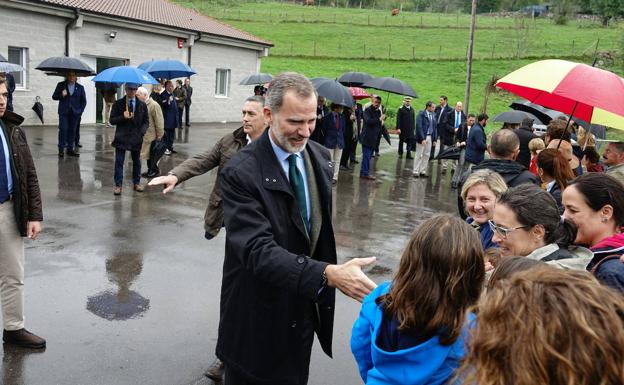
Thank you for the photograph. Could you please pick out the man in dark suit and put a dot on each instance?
(72, 102)
(187, 102)
(461, 136)
(371, 130)
(426, 135)
(525, 134)
(477, 142)
(442, 112)
(406, 125)
(318, 135)
(279, 271)
(170, 116)
(130, 116)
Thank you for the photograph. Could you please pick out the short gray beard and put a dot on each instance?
(283, 142)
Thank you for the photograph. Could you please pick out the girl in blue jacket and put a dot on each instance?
(411, 331)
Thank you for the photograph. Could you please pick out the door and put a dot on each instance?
(101, 65)
(88, 116)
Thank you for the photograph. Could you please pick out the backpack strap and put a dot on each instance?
(594, 270)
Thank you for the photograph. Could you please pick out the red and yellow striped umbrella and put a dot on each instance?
(586, 92)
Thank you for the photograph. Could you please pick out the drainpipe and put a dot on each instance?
(68, 26)
(190, 48)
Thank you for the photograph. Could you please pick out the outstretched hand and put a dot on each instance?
(350, 279)
(169, 181)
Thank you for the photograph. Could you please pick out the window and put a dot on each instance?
(18, 55)
(222, 87)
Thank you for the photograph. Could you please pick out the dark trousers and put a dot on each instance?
(77, 136)
(367, 154)
(169, 137)
(67, 131)
(348, 152)
(120, 157)
(180, 112)
(152, 167)
(187, 110)
(409, 145)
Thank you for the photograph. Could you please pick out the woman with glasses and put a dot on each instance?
(480, 193)
(526, 223)
(595, 203)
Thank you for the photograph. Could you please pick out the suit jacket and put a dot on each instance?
(334, 137)
(450, 126)
(318, 135)
(169, 109)
(189, 95)
(70, 104)
(129, 132)
(406, 122)
(445, 131)
(371, 130)
(217, 156)
(272, 272)
(476, 144)
(422, 126)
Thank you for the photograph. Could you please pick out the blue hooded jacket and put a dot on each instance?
(426, 363)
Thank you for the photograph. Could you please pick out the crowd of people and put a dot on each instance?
(527, 287)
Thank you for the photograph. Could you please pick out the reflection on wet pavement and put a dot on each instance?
(140, 260)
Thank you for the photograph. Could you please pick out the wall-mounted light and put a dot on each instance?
(111, 35)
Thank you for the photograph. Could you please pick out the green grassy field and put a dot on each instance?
(426, 50)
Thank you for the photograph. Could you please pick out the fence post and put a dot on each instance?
(518, 50)
(572, 46)
(364, 50)
(368, 19)
(389, 50)
(440, 52)
(291, 48)
(314, 48)
(545, 48)
(413, 53)
(421, 21)
(493, 49)
(239, 14)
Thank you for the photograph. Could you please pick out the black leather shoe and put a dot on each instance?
(61, 153)
(215, 371)
(23, 338)
(78, 145)
(72, 153)
(152, 174)
(144, 174)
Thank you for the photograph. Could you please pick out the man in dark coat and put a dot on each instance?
(20, 216)
(72, 102)
(371, 130)
(525, 134)
(130, 116)
(321, 111)
(477, 142)
(426, 136)
(406, 125)
(187, 102)
(279, 271)
(461, 137)
(350, 138)
(170, 116)
(442, 112)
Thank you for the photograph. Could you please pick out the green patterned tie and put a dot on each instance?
(296, 181)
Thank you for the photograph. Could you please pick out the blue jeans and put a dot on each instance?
(68, 123)
(367, 154)
(169, 138)
(120, 157)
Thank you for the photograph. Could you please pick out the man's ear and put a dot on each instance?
(268, 115)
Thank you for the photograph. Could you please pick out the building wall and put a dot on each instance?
(91, 41)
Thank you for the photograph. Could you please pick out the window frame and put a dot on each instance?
(23, 85)
(228, 77)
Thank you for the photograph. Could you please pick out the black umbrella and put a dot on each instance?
(60, 65)
(38, 108)
(354, 79)
(385, 134)
(450, 152)
(334, 91)
(515, 117)
(255, 79)
(118, 306)
(391, 85)
(545, 115)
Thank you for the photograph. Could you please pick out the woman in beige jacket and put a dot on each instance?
(155, 130)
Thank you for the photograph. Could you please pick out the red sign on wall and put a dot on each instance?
(180, 43)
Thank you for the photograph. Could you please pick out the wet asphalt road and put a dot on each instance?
(126, 289)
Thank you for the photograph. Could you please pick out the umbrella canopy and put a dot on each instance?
(392, 85)
(124, 74)
(256, 79)
(334, 91)
(167, 69)
(515, 117)
(354, 79)
(60, 65)
(543, 114)
(359, 93)
(118, 306)
(5, 66)
(588, 93)
(450, 152)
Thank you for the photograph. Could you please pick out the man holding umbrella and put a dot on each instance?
(373, 122)
(72, 102)
(406, 126)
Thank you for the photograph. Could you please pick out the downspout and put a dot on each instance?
(190, 48)
(68, 27)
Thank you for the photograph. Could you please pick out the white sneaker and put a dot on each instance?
(167, 152)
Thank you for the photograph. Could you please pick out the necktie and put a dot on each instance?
(456, 119)
(131, 105)
(4, 179)
(337, 121)
(440, 114)
(296, 182)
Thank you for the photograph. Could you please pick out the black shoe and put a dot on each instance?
(409, 156)
(188, 125)
(152, 174)
(78, 145)
(174, 152)
(215, 371)
(72, 153)
(144, 174)
(400, 155)
(344, 168)
(61, 153)
(23, 338)
(355, 162)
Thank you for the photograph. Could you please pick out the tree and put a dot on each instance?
(607, 9)
(563, 10)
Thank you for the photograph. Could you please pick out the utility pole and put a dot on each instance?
(473, 24)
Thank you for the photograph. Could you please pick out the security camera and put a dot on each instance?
(112, 34)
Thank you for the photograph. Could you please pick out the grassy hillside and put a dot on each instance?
(426, 50)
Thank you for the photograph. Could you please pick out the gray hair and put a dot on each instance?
(288, 81)
(256, 99)
(142, 91)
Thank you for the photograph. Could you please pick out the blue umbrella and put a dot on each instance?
(124, 74)
(167, 69)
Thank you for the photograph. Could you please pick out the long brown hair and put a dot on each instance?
(440, 276)
(555, 165)
(547, 326)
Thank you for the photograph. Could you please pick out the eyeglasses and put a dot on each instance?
(502, 231)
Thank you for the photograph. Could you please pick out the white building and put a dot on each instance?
(105, 33)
